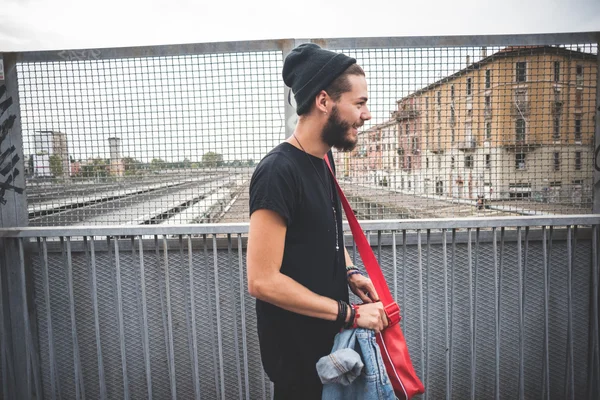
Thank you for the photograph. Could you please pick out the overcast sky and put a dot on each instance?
(68, 24)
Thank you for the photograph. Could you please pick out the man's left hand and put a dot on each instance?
(363, 288)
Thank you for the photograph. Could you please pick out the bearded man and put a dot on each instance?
(297, 265)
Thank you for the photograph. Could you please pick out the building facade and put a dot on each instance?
(516, 124)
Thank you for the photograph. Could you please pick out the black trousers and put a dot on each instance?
(298, 392)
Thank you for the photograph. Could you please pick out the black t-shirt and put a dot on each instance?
(286, 181)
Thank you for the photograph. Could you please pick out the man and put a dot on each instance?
(296, 257)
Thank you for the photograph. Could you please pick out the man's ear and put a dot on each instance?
(321, 101)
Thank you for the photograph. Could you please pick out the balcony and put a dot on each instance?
(520, 109)
(520, 144)
(557, 107)
(468, 144)
(400, 151)
(405, 114)
(436, 148)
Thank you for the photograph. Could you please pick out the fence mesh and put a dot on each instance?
(472, 312)
(456, 131)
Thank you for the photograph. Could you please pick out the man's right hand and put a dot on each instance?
(372, 316)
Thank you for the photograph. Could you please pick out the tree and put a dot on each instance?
(130, 165)
(97, 167)
(212, 159)
(157, 164)
(56, 165)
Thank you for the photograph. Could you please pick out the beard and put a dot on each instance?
(336, 132)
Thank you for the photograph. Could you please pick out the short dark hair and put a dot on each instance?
(341, 84)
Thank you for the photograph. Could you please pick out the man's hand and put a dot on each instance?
(372, 316)
(363, 288)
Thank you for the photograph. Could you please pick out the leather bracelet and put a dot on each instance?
(342, 312)
(351, 321)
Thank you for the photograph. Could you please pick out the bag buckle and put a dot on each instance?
(392, 311)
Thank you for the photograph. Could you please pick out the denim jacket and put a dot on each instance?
(354, 370)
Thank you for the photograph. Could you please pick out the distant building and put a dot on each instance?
(117, 167)
(50, 154)
(519, 123)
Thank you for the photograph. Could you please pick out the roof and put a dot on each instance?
(507, 52)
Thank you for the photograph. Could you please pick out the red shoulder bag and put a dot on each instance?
(391, 340)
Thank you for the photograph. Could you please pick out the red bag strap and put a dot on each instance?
(368, 257)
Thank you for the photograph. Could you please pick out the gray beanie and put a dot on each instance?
(308, 69)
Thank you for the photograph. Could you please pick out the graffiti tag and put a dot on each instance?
(9, 157)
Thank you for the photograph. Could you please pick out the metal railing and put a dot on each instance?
(495, 308)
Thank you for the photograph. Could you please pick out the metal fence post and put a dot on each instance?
(291, 118)
(13, 213)
(596, 174)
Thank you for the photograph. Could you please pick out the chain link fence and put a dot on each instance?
(498, 130)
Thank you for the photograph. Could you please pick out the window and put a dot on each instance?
(556, 71)
(520, 130)
(520, 161)
(556, 132)
(409, 162)
(452, 163)
(452, 92)
(453, 135)
(439, 98)
(488, 131)
(488, 79)
(469, 86)
(578, 129)
(557, 161)
(579, 72)
(578, 97)
(407, 130)
(426, 103)
(439, 162)
(488, 107)
(521, 71)
(521, 99)
(488, 161)
(409, 184)
(427, 162)
(578, 160)
(469, 162)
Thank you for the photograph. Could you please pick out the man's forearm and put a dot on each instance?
(284, 292)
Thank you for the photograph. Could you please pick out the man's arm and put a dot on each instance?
(266, 241)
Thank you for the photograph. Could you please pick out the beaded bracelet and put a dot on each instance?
(351, 267)
(356, 315)
(353, 273)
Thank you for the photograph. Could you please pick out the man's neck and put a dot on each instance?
(307, 137)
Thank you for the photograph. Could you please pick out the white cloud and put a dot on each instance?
(60, 24)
